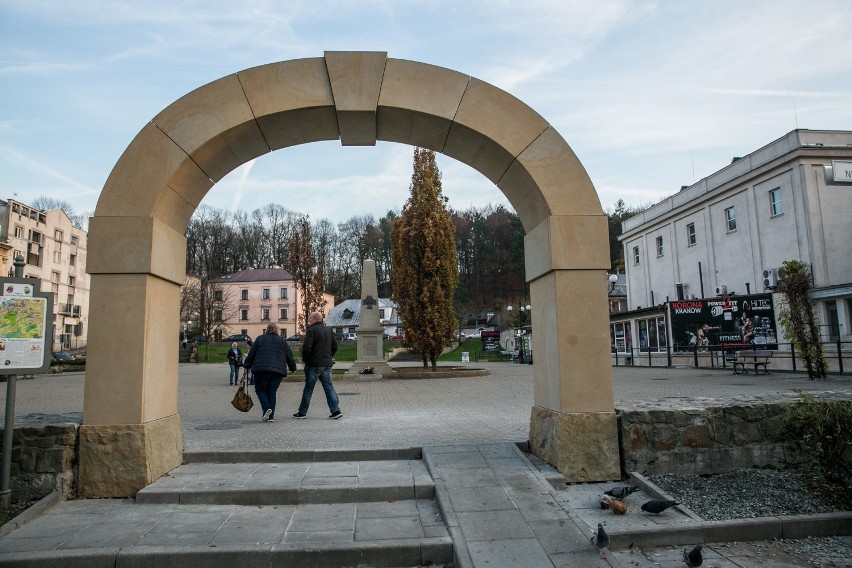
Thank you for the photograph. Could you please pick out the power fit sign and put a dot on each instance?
(734, 322)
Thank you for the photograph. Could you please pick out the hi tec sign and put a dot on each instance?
(842, 171)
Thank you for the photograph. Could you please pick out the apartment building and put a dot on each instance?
(254, 297)
(55, 253)
(727, 235)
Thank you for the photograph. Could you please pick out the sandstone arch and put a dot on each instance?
(131, 432)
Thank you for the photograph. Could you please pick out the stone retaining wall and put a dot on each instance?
(701, 441)
(44, 459)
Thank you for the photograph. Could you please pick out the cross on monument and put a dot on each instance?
(369, 301)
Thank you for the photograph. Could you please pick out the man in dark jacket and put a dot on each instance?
(269, 358)
(317, 352)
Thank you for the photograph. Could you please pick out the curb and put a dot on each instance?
(285, 456)
(32, 513)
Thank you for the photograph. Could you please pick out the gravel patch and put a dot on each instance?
(745, 494)
(753, 493)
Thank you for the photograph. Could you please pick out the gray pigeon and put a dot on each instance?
(657, 506)
(693, 558)
(621, 491)
(600, 539)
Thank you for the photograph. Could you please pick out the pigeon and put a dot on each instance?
(621, 491)
(693, 558)
(618, 506)
(600, 540)
(658, 506)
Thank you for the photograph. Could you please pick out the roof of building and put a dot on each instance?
(276, 274)
(337, 315)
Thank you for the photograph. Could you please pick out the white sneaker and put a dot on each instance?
(267, 414)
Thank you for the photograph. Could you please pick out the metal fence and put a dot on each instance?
(838, 355)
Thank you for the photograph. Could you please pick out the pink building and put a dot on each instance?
(256, 296)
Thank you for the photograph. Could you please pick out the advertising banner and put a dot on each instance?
(734, 322)
(491, 341)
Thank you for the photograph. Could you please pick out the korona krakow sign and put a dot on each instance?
(734, 322)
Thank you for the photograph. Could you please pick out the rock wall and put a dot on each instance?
(44, 459)
(701, 441)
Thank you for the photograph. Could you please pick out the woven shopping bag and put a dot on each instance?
(242, 400)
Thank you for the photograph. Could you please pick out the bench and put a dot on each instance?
(760, 359)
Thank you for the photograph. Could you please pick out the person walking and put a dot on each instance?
(235, 362)
(269, 359)
(317, 352)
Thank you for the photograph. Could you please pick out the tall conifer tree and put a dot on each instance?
(424, 267)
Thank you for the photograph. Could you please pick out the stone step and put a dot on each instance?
(122, 533)
(291, 483)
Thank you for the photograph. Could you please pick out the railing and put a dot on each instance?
(838, 356)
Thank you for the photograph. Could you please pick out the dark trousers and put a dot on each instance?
(265, 386)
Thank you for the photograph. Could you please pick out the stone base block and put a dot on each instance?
(117, 460)
(582, 446)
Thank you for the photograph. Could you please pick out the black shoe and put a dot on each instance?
(336, 415)
(300, 416)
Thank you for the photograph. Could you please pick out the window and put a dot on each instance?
(217, 295)
(635, 255)
(775, 203)
(243, 314)
(659, 246)
(690, 235)
(74, 240)
(652, 334)
(620, 337)
(72, 260)
(244, 295)
(54, 277)
(731, 219)
(217, 315)
(282, 313)
(382, 314)
(265, 294)
(57, 235)
(19, 232)
(35, 237)
(72, 280)
(57, 256)
(282, 293)
(264, 313)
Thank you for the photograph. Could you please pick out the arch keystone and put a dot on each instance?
(356, 80)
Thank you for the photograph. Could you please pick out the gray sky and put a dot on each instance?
(651, 95)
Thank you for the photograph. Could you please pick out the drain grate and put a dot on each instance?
(219, 426)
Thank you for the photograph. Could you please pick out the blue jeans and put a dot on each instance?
(311, 376)
(234, 377)
(265, 386)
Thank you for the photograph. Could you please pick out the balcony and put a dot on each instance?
(69, 310)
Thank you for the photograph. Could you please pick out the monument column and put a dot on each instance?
(370, 343)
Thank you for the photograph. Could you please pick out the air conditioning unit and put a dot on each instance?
(770, 278)
(721, 290)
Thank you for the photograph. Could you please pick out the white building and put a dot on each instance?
(55, 253)
(345, 317)
(729, 233)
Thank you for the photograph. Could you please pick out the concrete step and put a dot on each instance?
(291, 483)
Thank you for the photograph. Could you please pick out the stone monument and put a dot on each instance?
(370, 342)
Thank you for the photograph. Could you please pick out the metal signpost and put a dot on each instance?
(26, 338)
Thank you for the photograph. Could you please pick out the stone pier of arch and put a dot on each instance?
(131, 432)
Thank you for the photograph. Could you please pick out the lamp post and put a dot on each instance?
(613, 279)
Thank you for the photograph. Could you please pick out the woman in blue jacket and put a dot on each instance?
(269, 359)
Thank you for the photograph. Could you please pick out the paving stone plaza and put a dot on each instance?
(418, 472)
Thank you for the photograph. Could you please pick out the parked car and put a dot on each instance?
(351, 337)
(238, 337)
(296, 337)
(62, 356)
(476, 334)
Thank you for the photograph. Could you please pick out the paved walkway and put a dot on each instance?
(496, 502)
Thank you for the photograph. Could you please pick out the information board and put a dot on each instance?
(26, 326)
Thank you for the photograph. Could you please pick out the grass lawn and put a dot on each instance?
(346, 351)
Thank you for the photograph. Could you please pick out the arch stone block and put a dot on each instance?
(292, 101)
(137, 244)
(356, 80)
(215, 125)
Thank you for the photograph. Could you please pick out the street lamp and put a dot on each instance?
(613, 279)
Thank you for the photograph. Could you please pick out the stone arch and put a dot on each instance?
(131, 432)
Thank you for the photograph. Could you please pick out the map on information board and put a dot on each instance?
(22, 328)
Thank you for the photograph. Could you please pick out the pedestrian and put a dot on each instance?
(269, 359)
(235, 361)
(248, 375)
(317, 352)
